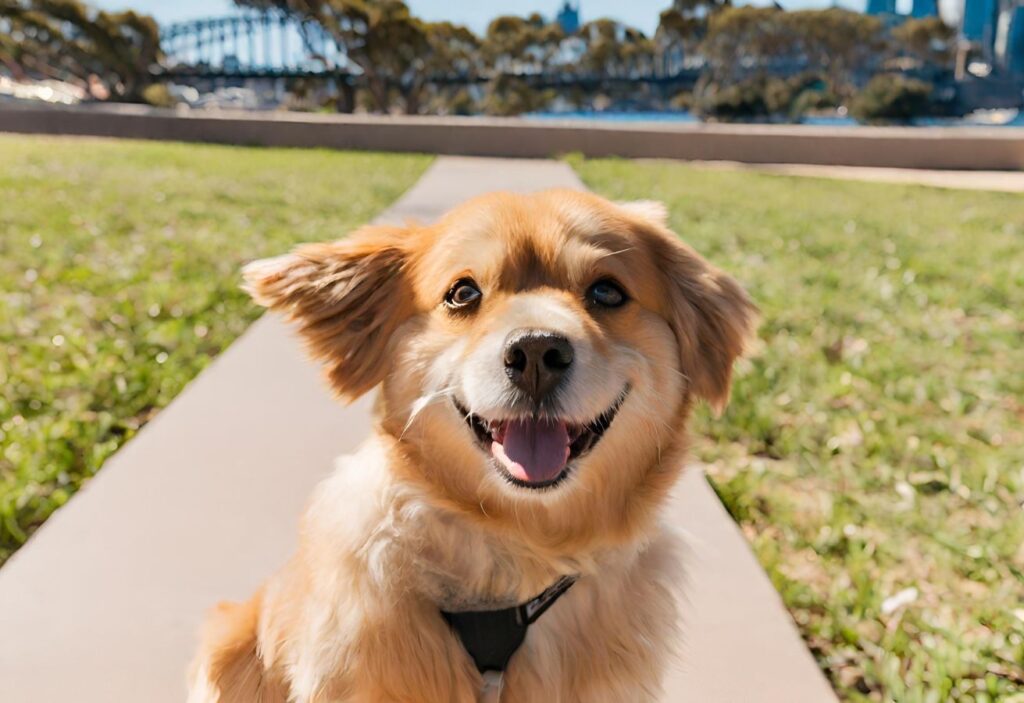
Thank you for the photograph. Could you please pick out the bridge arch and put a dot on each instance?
(250, 44)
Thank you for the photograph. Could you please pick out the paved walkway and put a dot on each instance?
(1003, 181)
(103, 604)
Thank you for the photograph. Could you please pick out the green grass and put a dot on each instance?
(119, 282)
(875, 440)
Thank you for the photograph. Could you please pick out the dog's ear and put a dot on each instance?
(650, 211)
(711, 315)
(347, 298)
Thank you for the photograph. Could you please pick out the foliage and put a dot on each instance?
(509, 95)
(676, 29)
(810, 99)
(513, 47)
(516, 45)
(742, 100)
(892, 98)
(682, 100)
(929, 39)
(158, 95)
(613, 49)
(764, 97)
(874, 442)
(683, 26)
(119, 271)
(394, 51)
(403, 62)
(844, 46)
(67, 40)
(451, 50)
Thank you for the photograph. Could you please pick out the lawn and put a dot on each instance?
(873, 453)
(119, 282)
(874, 449)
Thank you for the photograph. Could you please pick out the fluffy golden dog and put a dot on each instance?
(537, 356)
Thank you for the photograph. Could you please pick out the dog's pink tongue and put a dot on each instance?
(534, 451)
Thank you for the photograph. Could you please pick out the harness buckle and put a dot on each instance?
(491, 692)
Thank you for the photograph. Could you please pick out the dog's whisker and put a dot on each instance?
(423, 402)
(609, 254)
(680, 374)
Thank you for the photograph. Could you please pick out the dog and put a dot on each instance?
(537, 358)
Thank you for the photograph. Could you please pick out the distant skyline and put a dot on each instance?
(476, 14)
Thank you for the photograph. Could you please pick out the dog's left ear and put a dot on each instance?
(711, 315)
(650, 211)
(347, 297)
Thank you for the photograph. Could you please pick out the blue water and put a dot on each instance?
(687, 118)
(678, 117)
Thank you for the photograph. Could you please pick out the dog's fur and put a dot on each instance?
(419, 519)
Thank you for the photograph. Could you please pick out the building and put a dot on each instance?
(978, 27)
(881, 7)
(924, 8)
(991, 43)
(1008, 47)
(569, 17)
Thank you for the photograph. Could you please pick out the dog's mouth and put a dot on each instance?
(537, 452)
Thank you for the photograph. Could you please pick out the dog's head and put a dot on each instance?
(539, 354)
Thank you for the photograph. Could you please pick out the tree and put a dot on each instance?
(929, 39)
(847, 47)
(521, 44)
(844, 46)
(390, 47)
(514, 47)
(892, 98)
(613, 49)
(681, 29)
(451, 57)
(743, 41)
(508, 94)
(66, 40)
(699, 8)
(675, 38)
(764, 98)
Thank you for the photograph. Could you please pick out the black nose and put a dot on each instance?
(536, 361)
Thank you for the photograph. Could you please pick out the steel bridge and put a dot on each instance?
(273, 45)
(250, 45)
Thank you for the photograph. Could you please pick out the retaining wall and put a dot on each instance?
(973, 148)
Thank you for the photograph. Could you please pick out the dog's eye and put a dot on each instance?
(607, 294)
(463, 294)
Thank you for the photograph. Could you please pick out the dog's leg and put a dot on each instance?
(228, 668)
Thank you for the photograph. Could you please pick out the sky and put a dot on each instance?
(642, 14)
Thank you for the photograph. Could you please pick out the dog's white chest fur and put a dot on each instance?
(605, 640)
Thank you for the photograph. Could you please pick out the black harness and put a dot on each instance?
(492, 636)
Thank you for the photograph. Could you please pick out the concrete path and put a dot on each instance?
(103, 604)
(1001, 181)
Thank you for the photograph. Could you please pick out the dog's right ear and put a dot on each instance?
(347, 298)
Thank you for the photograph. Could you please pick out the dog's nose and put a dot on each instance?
(536, 361)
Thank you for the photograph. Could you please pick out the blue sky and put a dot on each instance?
(642, 14)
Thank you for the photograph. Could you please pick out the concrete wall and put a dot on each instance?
(897, 147)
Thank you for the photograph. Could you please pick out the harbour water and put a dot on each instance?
(986, 118)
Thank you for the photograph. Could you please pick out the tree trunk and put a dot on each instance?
(346, 96)
(13, 67)
(379, 91)
(375, 84)
(413, 97)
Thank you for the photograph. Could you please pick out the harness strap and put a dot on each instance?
(491, 637)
